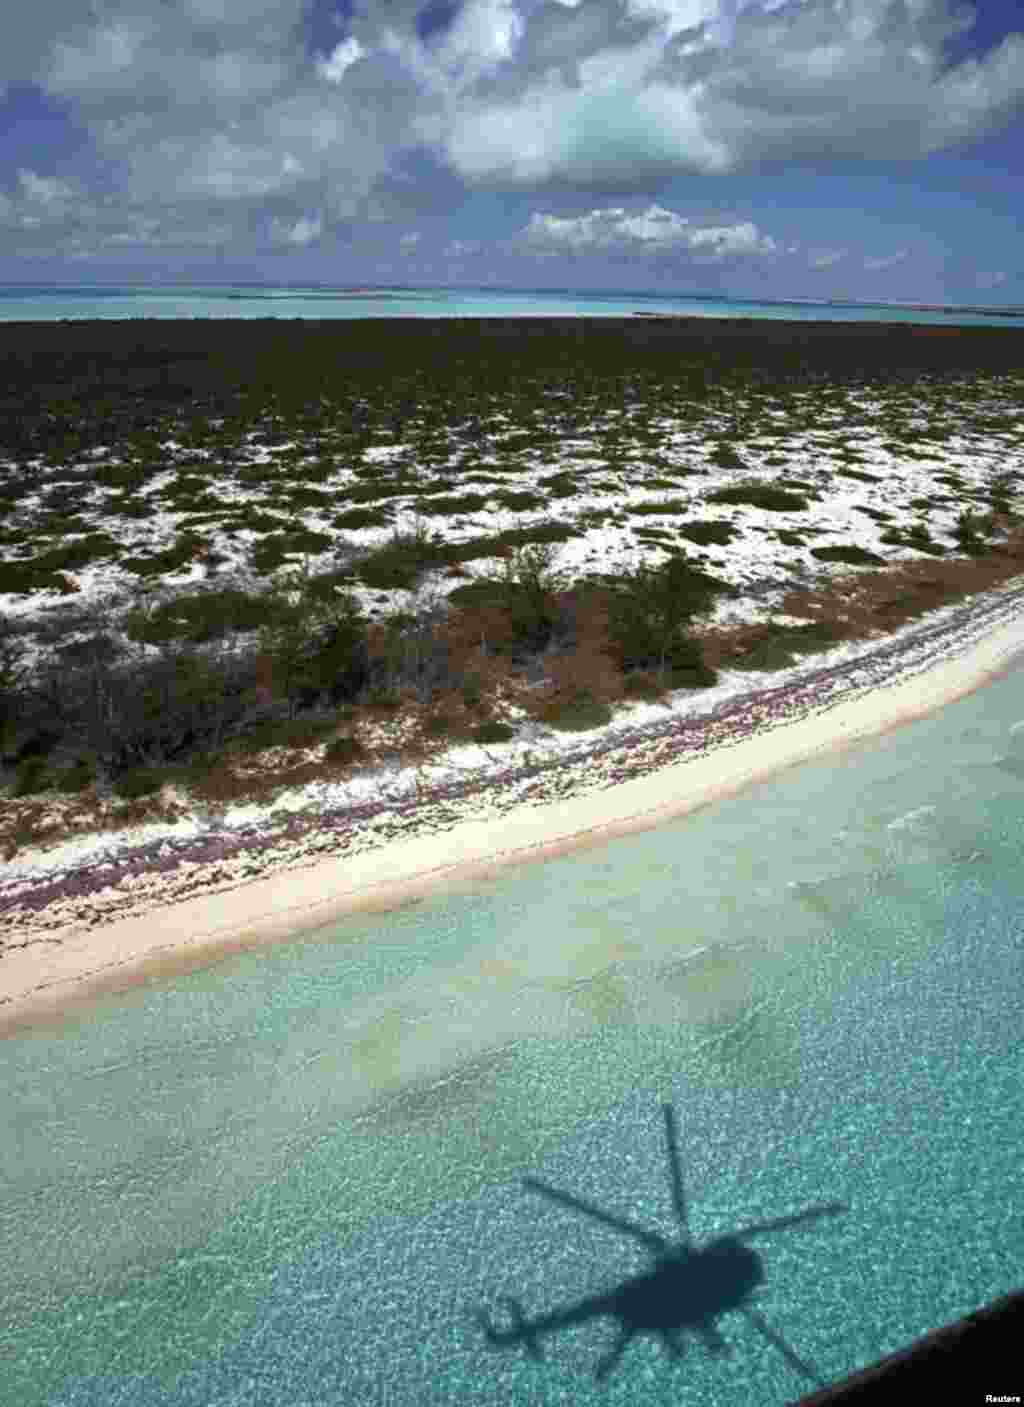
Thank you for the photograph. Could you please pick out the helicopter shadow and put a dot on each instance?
(684, 1291)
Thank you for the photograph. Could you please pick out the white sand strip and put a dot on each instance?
(42, 980)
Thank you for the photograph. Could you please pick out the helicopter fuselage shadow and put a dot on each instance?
(685, 1290)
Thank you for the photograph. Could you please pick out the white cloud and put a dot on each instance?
(825, 258)
(485, 33)
(459, 248)
(212, 114)
(43, 190)
(886, 261)
(296, 233)
(990, 280)
(654, 232)
(341, 59)
(813, 80)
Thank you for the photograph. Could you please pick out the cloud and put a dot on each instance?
(655, 87)
(990, 280)
(459, 248)
(825, 258)
(214, 115)
(653, 233)
(343, 56)
(51, 217)
(886, 261)
(299, 233)
(47, 192)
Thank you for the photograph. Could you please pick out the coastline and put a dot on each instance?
(186, 911)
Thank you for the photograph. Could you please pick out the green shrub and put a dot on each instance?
(273, 550)
(708, 534)
(282, 732)
(382, 697)
(765, 656)
(862, 475)
(778, 647)
(519, 501)
(166, 561)
(916, 537)
(30, 777)
(200, 617)
(357, 518)
(399, 564)
(649, 611)
(140, 781)
(808, 639)
(970, 534)
(576, 712)
(686, 667)
(344, 749)
(20, 578)
(668, 505)
(472, 690)
(766, 496)
(439, 726)
(306, 497)
(643, 684)
(848, 552)
(74, 779)
(485, 591)
(94, 547)
(725, 457)
(493, 732)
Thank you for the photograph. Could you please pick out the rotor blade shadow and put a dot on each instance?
(783, 1223)
(675, 1171)
(651, 1239)
(791, 1356)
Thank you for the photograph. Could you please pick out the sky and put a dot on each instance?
(865, 149)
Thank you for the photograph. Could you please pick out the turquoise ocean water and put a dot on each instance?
(295, 1177)
(49, 303)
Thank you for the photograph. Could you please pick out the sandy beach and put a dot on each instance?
(58, 956)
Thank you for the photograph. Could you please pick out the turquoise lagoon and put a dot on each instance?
(295, 1177)
(59, 302)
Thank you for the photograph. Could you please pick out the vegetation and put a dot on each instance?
(386, 577)
(775, 500)
(848, 552)
(706, 534)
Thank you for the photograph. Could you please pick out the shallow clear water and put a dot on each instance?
(295, 1177)
(52, 303)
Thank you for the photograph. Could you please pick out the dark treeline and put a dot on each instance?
(90, 378)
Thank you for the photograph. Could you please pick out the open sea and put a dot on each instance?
(52, 303)
(296, 1177)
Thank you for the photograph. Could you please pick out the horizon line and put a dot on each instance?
(649, 293)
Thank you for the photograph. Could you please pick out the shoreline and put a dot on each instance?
(652, 774)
